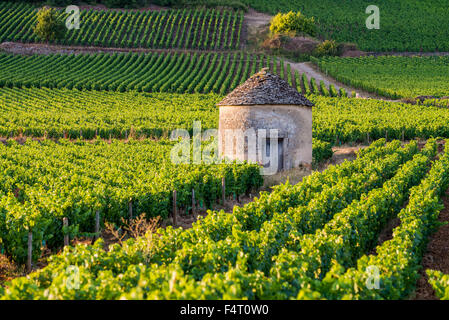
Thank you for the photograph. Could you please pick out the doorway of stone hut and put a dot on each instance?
(280, 150)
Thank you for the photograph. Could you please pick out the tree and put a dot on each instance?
(49, 25)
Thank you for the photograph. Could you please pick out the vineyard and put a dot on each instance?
(155, 72)
(44, 182)
(185, 29)
(71, 114)
(347, 120)
(405, 25)
(392, 77)
(272, 249)
(87, 154)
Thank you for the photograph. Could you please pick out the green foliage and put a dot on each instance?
(314, 87)
(440, 283)
(326, 48)
(292, 23)
(399, 259)
(321, 151)
(349, 120)
(59, 113)
(48, 180)
(268, 249)
(235, 4)
(392, 77)
(49, 26)
(436, 102)
(323, 89)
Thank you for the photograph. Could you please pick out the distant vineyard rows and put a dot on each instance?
(154, 72)
(392, 77)
(188, 28)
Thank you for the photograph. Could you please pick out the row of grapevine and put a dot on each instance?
(72, 114)
(46, 181)
(439, 283)
(187, 28)
(345, 120)
(224, 250)
(58, 113)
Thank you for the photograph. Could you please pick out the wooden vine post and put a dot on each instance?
(130, 209)
(223, 190)
(97, 224)
(65, 223)
(175, 209)
(193, 204)
(30, 251)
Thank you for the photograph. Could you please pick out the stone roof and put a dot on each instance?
(265, 88)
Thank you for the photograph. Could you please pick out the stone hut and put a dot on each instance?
(267, 121)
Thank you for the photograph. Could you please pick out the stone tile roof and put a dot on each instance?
(265, 88)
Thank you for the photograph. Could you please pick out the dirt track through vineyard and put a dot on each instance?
(312, 72)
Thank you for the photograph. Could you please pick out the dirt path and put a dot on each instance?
(436, 256)
(45, 49)
(101, 7)
(255, 19)
(312, 72)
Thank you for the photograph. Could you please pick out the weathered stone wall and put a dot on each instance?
(293, 122)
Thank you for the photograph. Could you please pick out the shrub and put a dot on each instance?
(293, 24)
(49, 25)
(327, 48)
